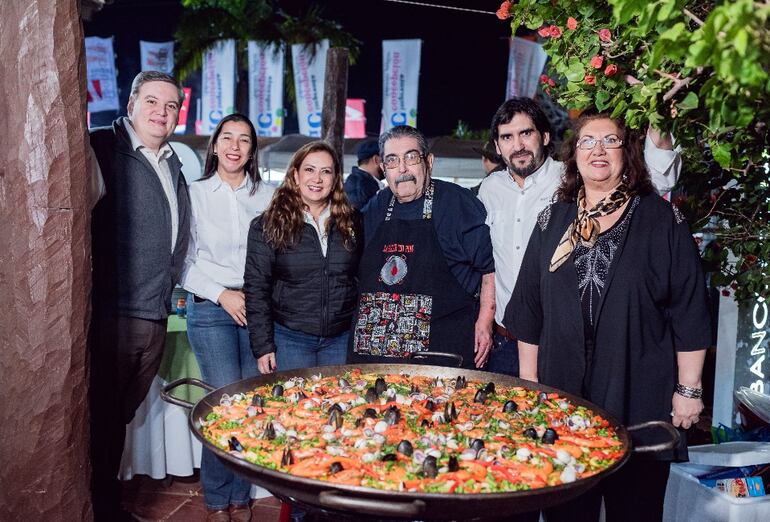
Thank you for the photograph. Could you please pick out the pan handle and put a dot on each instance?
(337, 500)
(426, 355)
(165, 392)
(663, 446)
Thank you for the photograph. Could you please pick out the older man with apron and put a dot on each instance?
(426, 277)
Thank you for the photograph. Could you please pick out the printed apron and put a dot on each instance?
(409, 301)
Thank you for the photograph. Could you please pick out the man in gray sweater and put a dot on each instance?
(140, 231)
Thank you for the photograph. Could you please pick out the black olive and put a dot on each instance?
(277, 391)
(405, 447)
(380, 386)
(335, 467)
(335, 407)
(371, 395)
(477, 444)
(550, 436)
(269, 432)
(389, 457)
(426, 423)
(234, 444)
(391, 415)
(490, 387)
(343, 382)
(481, 396)
(287, 458)
(257, 401)
(430, 405)
(335, 419)
(370, 413)
(541, 397)
(430, 467)
(453, 464)
(461, 383)
(510, 407)
(531, 433)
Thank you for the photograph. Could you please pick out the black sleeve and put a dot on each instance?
(524, 312)
(258, 288)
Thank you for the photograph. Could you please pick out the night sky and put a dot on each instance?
(463, 66)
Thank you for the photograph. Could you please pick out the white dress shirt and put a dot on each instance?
(320, 227)
(159, 163)
(219, 230)
(512, 211)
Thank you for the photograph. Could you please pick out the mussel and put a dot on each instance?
(359, 422)
(380, 385)
(234, 444)
(335, 419)
(414, 389)
(389, 457)
(490, 387)
(550, 436)
(477, 444)
(405, 448)
(343, 383)
(392, 415)
(370, 413)
(430, 467)
(287, 457)
(461, 383)
(257, 401)
(335, 407)
(530, 432)
(269, 432)
(425, 423)
(453, 464)
(371, 395)
(277, 391)
(541, 397)
(450, 411)
(335, 467)
(481, 396)
(510, 407)
(430, 405)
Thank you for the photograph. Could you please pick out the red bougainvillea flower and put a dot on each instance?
(589, 79)
(610, 69)
(597, 61)
(543, 78)
(571, 24)
(604, 35)
(504, 11)
(544, 31)
(554, 31)
(551, 82)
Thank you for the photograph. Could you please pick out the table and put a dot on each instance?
(159, 441)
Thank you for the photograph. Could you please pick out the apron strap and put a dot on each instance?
(427, 206)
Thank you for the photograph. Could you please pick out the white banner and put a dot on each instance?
(309, 73)
(100, 75)
(525, 64)
(266, 88)
(400, 80)
(157, 56)
(218, 84)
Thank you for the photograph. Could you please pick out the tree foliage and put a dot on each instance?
(697, 69)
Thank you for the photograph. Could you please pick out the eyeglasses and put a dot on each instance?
(410, 158)
(608, 142)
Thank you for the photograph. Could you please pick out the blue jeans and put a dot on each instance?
(504, 357)
(294, 349)
(224, 356)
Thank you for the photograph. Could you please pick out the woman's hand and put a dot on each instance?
(685, 412)
(266, 363)
(234, 303)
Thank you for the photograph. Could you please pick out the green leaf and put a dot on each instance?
(673, 32)
(741, 42)
(601, 100)
(665, 10)
(689, 102)
(721, 153)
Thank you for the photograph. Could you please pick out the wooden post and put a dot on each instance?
(335, 97)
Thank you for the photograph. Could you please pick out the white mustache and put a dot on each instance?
(405, 177)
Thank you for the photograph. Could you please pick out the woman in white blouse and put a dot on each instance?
(224, 201)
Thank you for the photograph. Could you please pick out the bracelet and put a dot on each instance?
(688, 391)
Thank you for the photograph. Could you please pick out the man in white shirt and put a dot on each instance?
(140, 231)
(514, 196)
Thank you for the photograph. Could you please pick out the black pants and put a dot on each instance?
(125, 356)
(633, 493)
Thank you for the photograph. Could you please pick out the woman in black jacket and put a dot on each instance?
(301, 265)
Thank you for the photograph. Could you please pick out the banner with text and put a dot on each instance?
(525, 64)
(184, 110)
(266, 88)
(355, 119)
(157, 56)
(218, 84)
(100, 75)
(309, 72)
(400, 80)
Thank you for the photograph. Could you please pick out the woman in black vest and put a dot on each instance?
(301, 266)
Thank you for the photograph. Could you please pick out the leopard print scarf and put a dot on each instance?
(585, 227)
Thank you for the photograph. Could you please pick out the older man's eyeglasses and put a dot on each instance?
(608, 142)
(412, 157)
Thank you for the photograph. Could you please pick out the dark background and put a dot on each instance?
(463, 66)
